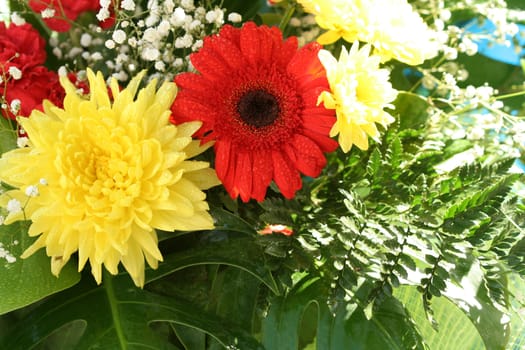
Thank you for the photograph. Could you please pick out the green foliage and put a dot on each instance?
(188, 302)
(400, 215)
(26, 281)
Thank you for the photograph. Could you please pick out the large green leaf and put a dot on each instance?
(411, 109)
(281, 325)
(243, 253)
(8, 135)
(517, 321)
(227, 221)
(347, 328)
(26, 281)
(117, 315)
(228, 292)
(480, 328)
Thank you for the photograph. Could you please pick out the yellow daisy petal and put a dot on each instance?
(359, 91)
(115, 170)
(391, 26)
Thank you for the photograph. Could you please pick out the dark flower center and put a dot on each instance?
(258, 108)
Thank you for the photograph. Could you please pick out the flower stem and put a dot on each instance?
(286, 17)
(112, 301)
(513, 94)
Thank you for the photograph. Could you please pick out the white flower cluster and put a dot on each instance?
(473, 113)
(6, 254)
(305, 28)
(159, 37)
(454, 39)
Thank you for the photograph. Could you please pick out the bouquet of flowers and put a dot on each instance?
(295, 174)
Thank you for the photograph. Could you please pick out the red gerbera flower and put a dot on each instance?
(257, 98)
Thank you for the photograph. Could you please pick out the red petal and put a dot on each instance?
(265, 45)
(185, 108)
(306, 155)
(222, 158)
(243, 176)
(319, 123)
(306, 63)
(228, 50)
(311, 82)
(262, 174)
(231, 33)
(311, 96)
(225, 160)
(286, 177)
(287, 50)
(250, 42)
(322, 140)
(194, 82)
(209, 64)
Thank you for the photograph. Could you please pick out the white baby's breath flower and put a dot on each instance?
(74, 52)
(450, 53)
(15, 73)
(178, 62)
(96, 56)
(57, 52)
(17, 19)
(163, 28)
(150, 54)
(169, 5)
(85, 39)
(470, 92)
(132, 42)
(128, 5)
(187, 4)
(14, 206)
(197, 45)
(184, 41)
(4, 253)
(211, 16)
(47, 13)
(62, 71)
(15, 106)
(121, 76)
(119, 36)
(234, 17)
(22, 142)
(32, 191)
(103, 14)
(178, 16)
(151, 35)
(160, 66)
(110, 44)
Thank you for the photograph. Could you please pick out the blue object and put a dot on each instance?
(495, 51)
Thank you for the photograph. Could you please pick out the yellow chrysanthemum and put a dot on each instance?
(393, 28)
(359, 92)
(341, 19)
(108, 174)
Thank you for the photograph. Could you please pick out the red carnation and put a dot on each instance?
(67, 11)
(36, 84)
(257, 98)
(20, 46)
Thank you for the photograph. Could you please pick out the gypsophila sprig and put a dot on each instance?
(158, 36)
